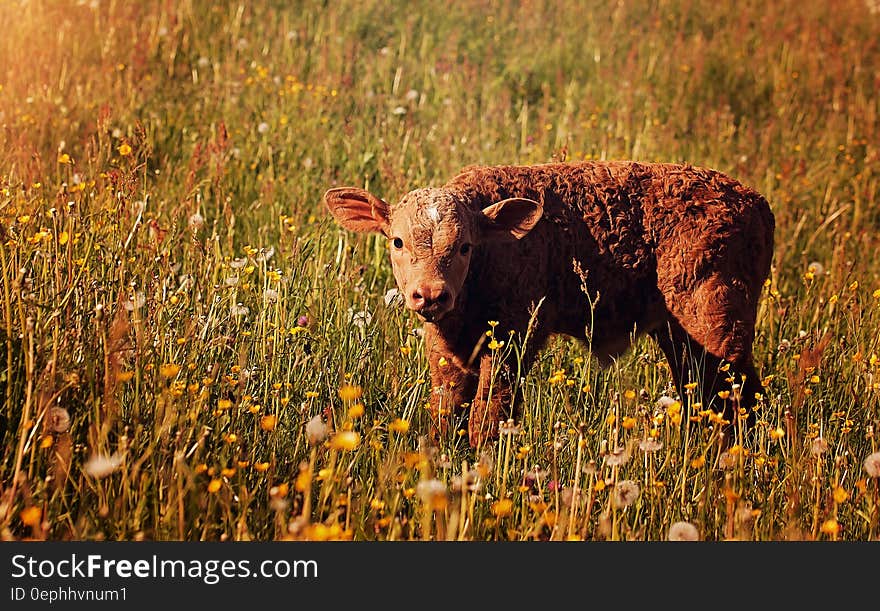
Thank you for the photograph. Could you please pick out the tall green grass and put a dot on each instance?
(177, 307)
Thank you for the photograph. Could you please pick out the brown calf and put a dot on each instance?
(609, 250)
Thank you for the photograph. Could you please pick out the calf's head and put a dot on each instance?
(432, 235)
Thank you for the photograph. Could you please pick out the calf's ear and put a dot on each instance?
(510, 218)
(357, 210)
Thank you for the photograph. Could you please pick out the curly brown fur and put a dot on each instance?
(614, 250)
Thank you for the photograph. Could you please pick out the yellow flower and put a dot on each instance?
(495, 344)
(777, 433)
(814, 379)
(31, 516)
(63, 238)
(64, 158)
(629, 394)
(214, 485)
(311, 394)
(168, 370)
(260, 467)
(876, 294)
(502, 508)
(399, 425)
(303, 480)
(690, 385)
(356, 410)
(840, 495)
(227, 472)
(698, 462)
(124, 149)
(724, 394)
(124, 376)
(830, 527)
(628, 422)
(268, 423)
(224, 404)
(345, 440)
(350, 393)
(442, 362)
(46, 442)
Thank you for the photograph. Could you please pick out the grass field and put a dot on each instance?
(194, 350)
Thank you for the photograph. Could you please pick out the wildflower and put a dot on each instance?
(260, 467)
(263, 127)
(270, 295)
(442, 362)
(628, 422)
(625, 493)
(818, 446)
(830, 527)
(345, 440)
(502, 508)
(350, 393)
(840, 495)
(698, 462)
(224, 404)
(269, 422)
(303, 480)
(99, 465)
(618, 457)
(316, 430)
(124, 149)
(31, 516)
(356, 410)
(58, 419)
(777, 433)
(239, 310)
(495, 344)
(650, 445)
(629, 394)
(169, 370)
(872, 465)
(214, 485)
(433, 493)
(509, 428)
(399, 425)
(683, 531)
(723, 394)
(64, 159)
(816, 268)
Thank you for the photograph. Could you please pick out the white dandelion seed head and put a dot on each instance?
(625, 493)
(665, 401)
(263, 127)
(872, 465)
(316, 430)
(58, 419)
(196, 221)
(816, 268)
(430, 489)
(238, 262)
(818, 446)
(270, 295)
(100, 465)
(650, 445)
(393, 297)
(683, 531)
(617, 457)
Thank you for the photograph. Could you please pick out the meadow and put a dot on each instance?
(193, 350)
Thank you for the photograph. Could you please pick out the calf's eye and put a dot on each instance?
(465, 249)
(397, 243)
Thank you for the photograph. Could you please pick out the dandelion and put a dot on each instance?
(196, 221)
(261, 467)
(224, 404)
(100, 466)
(270, 295)
(628, 422)
(818, 446)
(625, 493)
(124, 149)
(399, 425)
(269, 422)
(650, 445)
(777, 433)
(872, 465)
(345, 440)
(830, 527)
(239, 310)
(629, 394)
(64, 159)
(356, 410)
(840, 495)
(169, 370)
(263, 127)
(683, 531)
(214, 485)
(31, 516)
(502, 508)
(316, 430)
(433, 493)
(58, 419)
(618, 457)
(349, 392)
